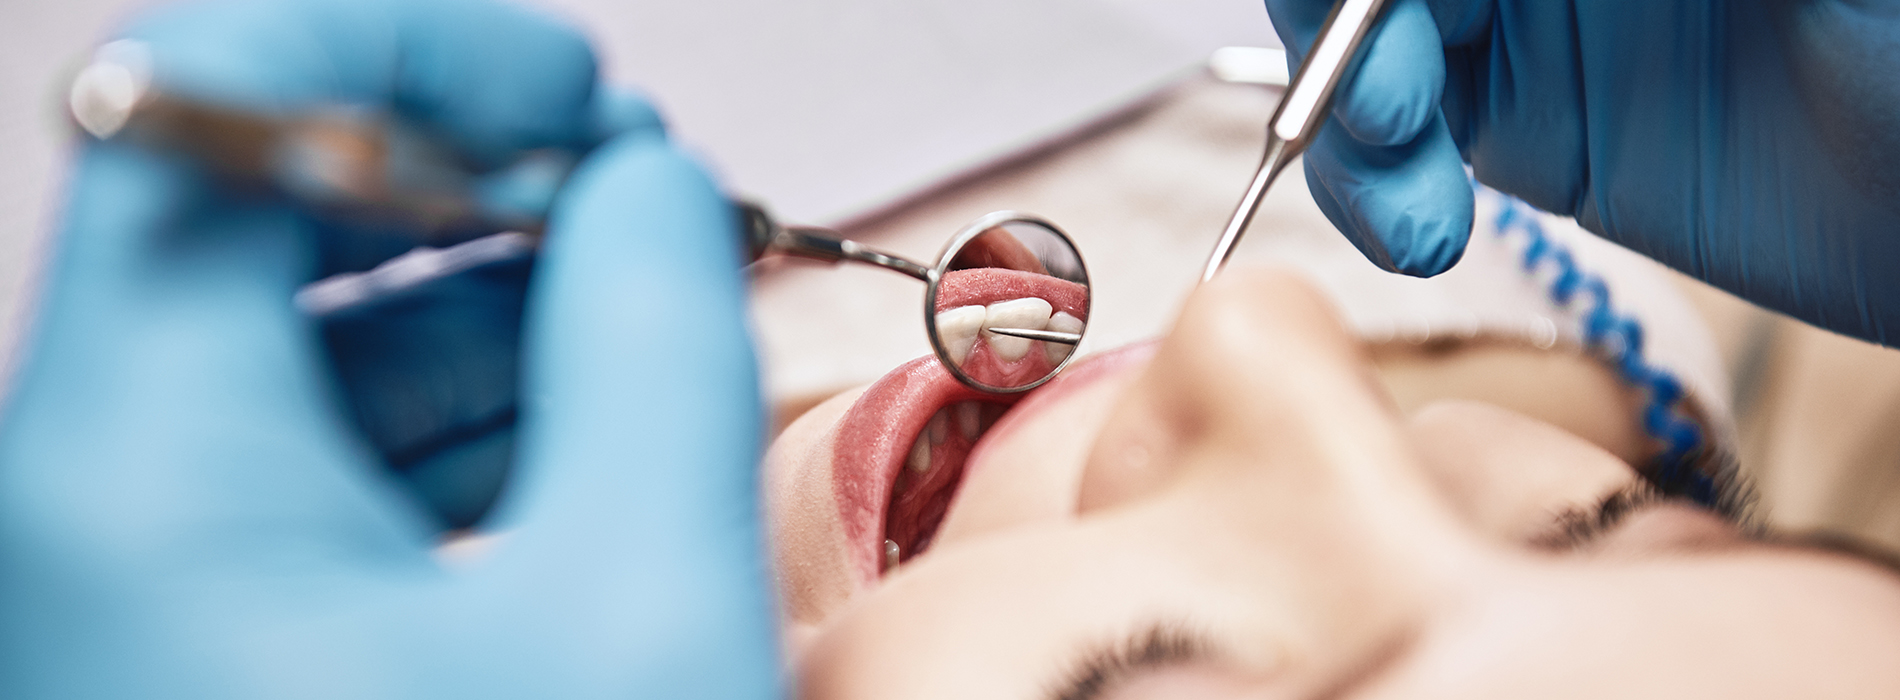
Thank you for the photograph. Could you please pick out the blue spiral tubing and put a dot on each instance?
(1618, 340)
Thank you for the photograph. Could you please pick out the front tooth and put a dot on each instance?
(969, 419)
(957, 329)
(919, 454)
(939, 428)
(1028, 313)
(1064, 323)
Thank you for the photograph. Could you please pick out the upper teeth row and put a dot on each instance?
(959, 327)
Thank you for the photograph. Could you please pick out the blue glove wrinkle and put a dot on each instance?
(1417, 220)
(1462, 21)
(1840, 48)
(1523, 112)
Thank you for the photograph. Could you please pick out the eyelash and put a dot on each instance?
(1578, 527)
(1157, 645)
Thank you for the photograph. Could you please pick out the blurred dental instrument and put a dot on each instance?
(1037, 258)
(1301, 113)
(351, 163)
(357, 165)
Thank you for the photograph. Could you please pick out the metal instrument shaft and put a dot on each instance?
(1301, 113)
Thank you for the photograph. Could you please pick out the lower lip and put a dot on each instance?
(875, 436)
(873, 440)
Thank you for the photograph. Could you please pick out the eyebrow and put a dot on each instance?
(1155, 645)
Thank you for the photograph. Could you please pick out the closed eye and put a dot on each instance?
(1158, 645)
(1577, 528)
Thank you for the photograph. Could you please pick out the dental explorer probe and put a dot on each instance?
(1302, 111)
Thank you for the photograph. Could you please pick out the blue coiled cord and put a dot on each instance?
(1618, 340)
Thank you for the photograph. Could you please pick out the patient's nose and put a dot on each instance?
(1262, 410)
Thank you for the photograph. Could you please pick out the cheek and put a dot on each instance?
(809, 548)
(1028, 468)
(1507, 474)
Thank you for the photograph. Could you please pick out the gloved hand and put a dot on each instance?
(1754, 144)
(186, 510)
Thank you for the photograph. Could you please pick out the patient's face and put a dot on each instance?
(1246, 510)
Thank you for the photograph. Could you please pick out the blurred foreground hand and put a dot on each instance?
(188, 506)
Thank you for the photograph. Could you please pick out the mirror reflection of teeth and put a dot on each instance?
(957, 328)
(1028, 312)
(1064, 323)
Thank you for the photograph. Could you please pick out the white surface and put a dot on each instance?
(827, 109)
(823, 108)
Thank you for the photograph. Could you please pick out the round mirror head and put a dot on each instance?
(1008, 302)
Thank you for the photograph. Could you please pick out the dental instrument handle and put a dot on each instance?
(1301, 113)
(359, 163)
(765, 236)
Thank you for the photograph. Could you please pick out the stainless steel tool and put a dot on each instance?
(1301, 113)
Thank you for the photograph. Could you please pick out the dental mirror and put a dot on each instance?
(1004, 307)
(1008, 303)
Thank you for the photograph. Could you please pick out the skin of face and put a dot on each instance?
(1293, 517)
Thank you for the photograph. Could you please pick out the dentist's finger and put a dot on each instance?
(1393, 91)
(1408, 208)
(634, 517)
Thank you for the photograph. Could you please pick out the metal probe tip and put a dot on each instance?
(1033, 334)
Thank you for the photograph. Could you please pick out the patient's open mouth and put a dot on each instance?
(900, 450)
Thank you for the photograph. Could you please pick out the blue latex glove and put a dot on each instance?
(1754, 144)
(186, 510)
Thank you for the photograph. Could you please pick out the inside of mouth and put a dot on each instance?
(932, 470)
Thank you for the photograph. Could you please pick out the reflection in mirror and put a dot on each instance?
(1010, 302)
